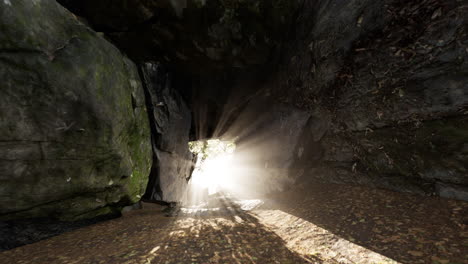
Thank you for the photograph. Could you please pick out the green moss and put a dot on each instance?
(82, 110)
(141, 161)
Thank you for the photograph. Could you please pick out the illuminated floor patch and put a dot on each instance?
(314, 242)
(226, 233)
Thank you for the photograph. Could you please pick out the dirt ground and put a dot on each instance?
(406, 228)
(314, 224)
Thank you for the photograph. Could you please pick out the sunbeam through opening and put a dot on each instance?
(213, 166)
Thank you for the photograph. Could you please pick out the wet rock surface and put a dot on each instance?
(75, 140)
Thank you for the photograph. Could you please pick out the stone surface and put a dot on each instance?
(366, 92)
(170, 121)
(391, 78)
(452, 191)
(384, 83)
(190, 33)
(75, 139)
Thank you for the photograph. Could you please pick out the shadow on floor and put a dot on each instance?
(223, 234)
(18, 233)
(228, 235)
(406, 228)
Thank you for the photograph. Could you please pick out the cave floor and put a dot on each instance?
(312, 224)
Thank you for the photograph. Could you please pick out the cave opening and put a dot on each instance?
(321, 131)
(214, 167)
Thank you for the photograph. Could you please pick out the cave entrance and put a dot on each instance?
(213, 168)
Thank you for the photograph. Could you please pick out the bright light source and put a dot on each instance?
(212, 171)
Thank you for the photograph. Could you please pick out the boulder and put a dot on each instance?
(74, 137)
(171, 121)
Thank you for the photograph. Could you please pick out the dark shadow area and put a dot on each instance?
(228, 235)
(18, 233)
(404, 227)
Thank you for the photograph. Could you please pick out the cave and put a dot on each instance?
(233, 131)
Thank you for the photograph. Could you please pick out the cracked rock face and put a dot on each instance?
(75, 139)
(170, 121)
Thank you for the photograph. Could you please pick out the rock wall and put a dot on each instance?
(383, 81)
(384, 91)
(389, 80)
(74, 137)
(170, 121)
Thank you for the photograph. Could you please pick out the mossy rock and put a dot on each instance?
(75, 137)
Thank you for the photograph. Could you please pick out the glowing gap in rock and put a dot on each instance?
(213, 167)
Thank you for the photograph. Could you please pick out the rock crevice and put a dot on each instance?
(170, 121)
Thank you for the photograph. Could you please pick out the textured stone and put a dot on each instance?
(75, 140)
(189, 33)
(170, 121)
(452, 191)
(393, 80)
